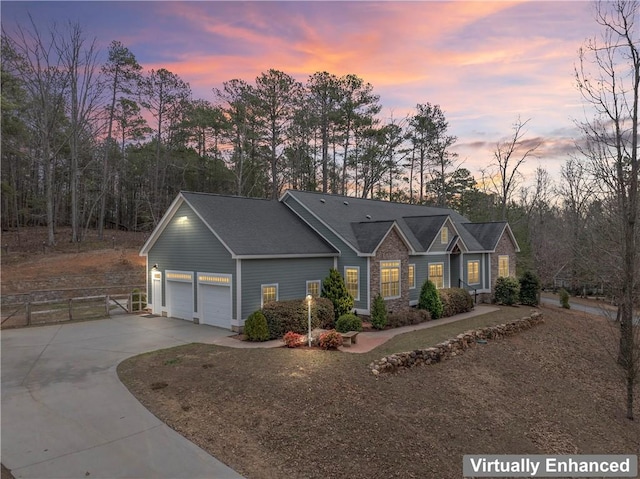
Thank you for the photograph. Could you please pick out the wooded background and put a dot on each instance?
(92, 144)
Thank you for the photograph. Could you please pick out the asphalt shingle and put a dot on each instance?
(257, 227)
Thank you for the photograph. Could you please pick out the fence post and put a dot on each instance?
(106, 305)
(70, 309)
(28, 313)
(130, 303)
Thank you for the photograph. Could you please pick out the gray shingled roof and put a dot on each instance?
(419, 224)
(487, 234)
(257, 227)
(369, 235)
(425, 228)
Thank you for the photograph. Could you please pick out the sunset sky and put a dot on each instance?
(484, 63)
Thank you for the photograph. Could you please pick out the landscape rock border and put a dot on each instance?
(453, 347)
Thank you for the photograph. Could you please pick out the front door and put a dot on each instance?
(156, 292)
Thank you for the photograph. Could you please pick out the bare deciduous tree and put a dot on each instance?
(510, 155)
(608, 76)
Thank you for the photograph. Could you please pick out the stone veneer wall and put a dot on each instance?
(504, 246)
(392, 248)
(452, 347)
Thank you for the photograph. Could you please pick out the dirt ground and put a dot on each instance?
(27, 265)
(277, 413)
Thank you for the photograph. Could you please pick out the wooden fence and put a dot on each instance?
(73, 309)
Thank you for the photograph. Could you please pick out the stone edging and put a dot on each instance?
(452, 347)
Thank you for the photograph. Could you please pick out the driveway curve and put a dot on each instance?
(65, 413)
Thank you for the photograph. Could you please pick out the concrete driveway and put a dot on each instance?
(66, 414)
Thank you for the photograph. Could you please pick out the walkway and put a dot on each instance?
(370, 340)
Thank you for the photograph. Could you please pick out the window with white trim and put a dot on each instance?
(436, 274)
(473, 271)
(412, 276)
(352, 281)
(390, 279)
(313, 288)
(444, 235)
(269, 293)
(503, 265)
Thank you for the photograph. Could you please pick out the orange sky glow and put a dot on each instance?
(484, 63)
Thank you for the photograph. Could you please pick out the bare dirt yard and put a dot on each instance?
(28, 265)
(305, 413)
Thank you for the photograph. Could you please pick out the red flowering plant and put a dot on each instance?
(330, 340)
(293, 340)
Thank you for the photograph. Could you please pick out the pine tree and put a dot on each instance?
(333, 288)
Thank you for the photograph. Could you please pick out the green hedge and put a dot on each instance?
(507, 291)
(407, 317)
(292, 315)
(455, 301)
(348, 322)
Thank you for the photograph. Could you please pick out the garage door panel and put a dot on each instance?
(215, 303)
(180, 296)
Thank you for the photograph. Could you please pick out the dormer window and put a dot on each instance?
(444, 235)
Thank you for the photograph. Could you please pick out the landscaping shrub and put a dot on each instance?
(529, 289)
(333, 288)
(255, 327)
(330, 340)
(138, 300)
(378, 313)
(455, 301)
(323, 309)
(293, 340)
(406, 317)
(348, 322)
(292, 315)
(430, 300)
(507, 290)
(564, 298)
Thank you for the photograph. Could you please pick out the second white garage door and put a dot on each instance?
(214, 294)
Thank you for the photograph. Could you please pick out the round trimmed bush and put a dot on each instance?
(330, 340)
(255, 327)
(348, 322)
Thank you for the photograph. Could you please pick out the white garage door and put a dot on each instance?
(180, 295)
(216, 305)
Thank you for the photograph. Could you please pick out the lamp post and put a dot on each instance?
(309, 298)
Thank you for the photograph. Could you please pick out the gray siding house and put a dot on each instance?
(215, 259)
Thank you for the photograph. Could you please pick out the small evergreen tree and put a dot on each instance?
(378, 313)
(529, 289)
(430, 299)
(564, 298)
(333, 288)
(255, 327)
(507, 290)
